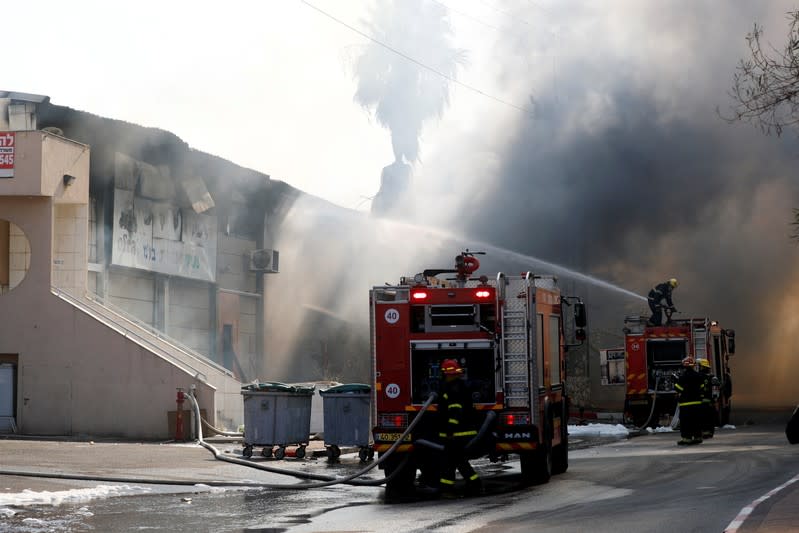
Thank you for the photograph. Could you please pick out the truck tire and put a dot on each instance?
(543, 471)
(537, 466)
(400, 475)
(560, 453)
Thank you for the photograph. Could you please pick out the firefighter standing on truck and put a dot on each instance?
(456, 428)
(690, 387)
(709, 397)
(659, 293)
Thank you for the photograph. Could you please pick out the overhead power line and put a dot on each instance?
(417, 62)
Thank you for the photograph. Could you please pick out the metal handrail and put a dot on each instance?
(116, 316)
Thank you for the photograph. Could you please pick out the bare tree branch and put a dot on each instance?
(766, 85)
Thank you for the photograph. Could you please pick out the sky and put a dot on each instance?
(581, 133)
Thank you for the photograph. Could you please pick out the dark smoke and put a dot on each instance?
(627, 172)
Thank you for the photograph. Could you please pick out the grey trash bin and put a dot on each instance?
(346, 420)
(276, 414)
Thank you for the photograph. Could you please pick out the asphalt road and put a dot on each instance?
(642, 484)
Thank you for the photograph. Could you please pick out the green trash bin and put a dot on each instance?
(276, 414)
(346, 419)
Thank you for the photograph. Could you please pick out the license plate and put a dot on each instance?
(390, 437)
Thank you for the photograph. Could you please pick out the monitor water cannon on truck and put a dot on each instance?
(507, 333)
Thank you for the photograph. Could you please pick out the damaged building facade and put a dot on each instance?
(130, 266)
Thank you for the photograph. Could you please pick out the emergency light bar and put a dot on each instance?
(482, 293)
(419, 295)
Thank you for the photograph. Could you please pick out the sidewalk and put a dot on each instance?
(130, 462)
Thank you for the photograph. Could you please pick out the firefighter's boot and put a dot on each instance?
(685, 441)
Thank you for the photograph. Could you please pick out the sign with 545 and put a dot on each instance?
(7, 149)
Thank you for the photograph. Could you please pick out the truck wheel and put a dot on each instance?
(544, 467)
(247, 451)
(560, 453)
(400, 475)
(300, 453)
(537, 465)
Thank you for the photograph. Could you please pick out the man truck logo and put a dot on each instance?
(392, 390)
(392, 316)
(517, 435)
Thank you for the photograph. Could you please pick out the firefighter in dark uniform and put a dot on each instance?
(661, 292)
(690, 389)
(456, 428)
(709, 398)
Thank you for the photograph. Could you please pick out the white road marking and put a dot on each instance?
(746, 511)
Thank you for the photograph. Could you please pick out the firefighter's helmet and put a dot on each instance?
(688, 361)
(451, 367)
(673, 282)
(704, 363)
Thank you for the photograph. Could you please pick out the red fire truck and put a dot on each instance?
(508, 335)
(653, 357)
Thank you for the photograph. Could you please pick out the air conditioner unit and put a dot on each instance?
(264, 260)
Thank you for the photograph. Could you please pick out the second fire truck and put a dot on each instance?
(653, 357)
(508, 335)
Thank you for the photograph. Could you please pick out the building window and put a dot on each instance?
(612, 366)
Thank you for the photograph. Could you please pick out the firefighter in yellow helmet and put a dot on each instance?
(710, 395)
(690, 389)
(660, 293)
(456, 428)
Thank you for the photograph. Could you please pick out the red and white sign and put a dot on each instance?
(7, 145)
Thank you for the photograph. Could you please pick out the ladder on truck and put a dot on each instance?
(699, 335)
(518, 371)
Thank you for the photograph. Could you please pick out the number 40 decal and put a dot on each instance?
(391, 315)
(392, 390)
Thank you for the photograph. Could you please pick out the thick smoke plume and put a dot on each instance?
(625, 172)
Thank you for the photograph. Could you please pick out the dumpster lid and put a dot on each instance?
(347, 388)
(276, 386)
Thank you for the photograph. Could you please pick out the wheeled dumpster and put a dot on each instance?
(346, 419)
(276, 415)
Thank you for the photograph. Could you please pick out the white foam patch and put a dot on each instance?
(660, 429)
(599, 430)
(29, 497)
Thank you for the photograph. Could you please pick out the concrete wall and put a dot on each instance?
(81, 377)
(77, 375)
(70, 248)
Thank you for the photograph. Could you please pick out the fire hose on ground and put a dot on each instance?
(323, 481)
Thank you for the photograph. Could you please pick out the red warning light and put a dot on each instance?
(482, 294)
(419, 295)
